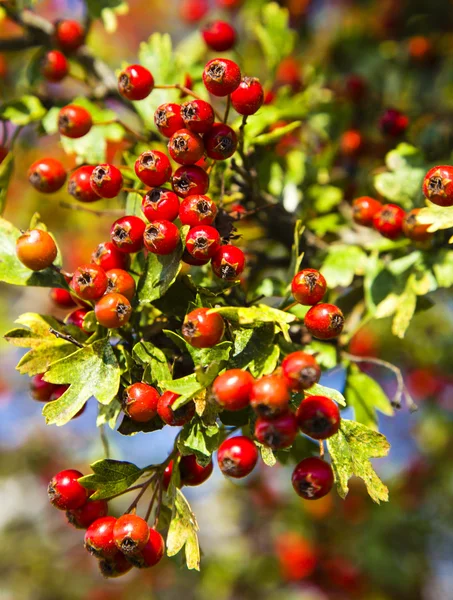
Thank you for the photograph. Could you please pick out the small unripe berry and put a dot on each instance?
(300, 370)
(190, 180)
(62, 298)
(318, 417)
(36, 249)
(152, 553)
(312, 478)
(41, 390)
(232, 389)
(414, 230)
(237, 456)
(47, 175)
(308, 287)
(153, 168)
(228, 262)
(161, 237)
(54, 66)
(197, 210)
(79, 184)
(248, 97)
(438, 185)
(203, 241)
(106, 181)
(76, 318)
(130, 533)
(277, 433)
(83, 517)
(127, 233)
(168, 119)
(176, 418)
(74, 121)
(220, 141)
(113, 310)
(89, 282)
(364, 209)
(109, 257)
(65, 492)
(69, 35)
(99, 539)
(203, 329)
(197, 115)
(160, 203)
(116, 566)
(140, 402)
(389, 221)
(221, 76)
(219, 36)
(270, 396)
(135, 82)
(393, 122)
(324, 321)
(120, 282)
(191, 472)
(186, 147)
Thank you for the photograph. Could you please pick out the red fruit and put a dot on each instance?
(160, 203)
(308, 287)
(76, 318)
(270, 396)
(167, 475)
(202, 329)
(438, 185)
(87, 514)
(237, 456)
(120, 282)
(152, 553)
(115, 567)
(413, 229)
(106, 180)
(3, 151)
(113, 310)
(351, 142)
(41, 390)
(109, 257)
(364, 209)
(140, 402)
(312, 478)
(228, 262)
(130, 533)
(248, 97)
(176, 418)
(203, 241)
(220, 141)
(356, 88)
(161, 237)
(278, 432)
(185, 147)
(47, 175)
(389, 221)
(153, 168)
(190, 180)
(393, 122)
(79, 185)
(232, 389)
(197, 210)
(324, 321)
(65, 492)
(69, 35)
(54, 66)
(74, 121)
(168, 119)
(99, 539)
(193, 10)
(36, 249)
(190, 260)
(89, 282)
(229, 4)
(297, 557)
(300, 370)
(135, 82)
(219, 36)
(221, 76)
(289, 73)
(197, 115)
(127, 233)
(62, 298)
(318, 417)
(191, 472)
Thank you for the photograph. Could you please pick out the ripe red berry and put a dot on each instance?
(47, 175)
(324, 321)
(36, 249)
(69, 35)
(312, 478)
(116, 566)
(109, 257)
(389, 221)
(193, 11)
(140, 402)
(364, 209)
(113, 310)
(356, 88)
(130, 533)
(79, 184)
(106, 180)
(76, 318)
(161, 237)
(186, 147)
(308, 287)
(83, 517)
(414, 230)
(197, 210)
(152, 553)
(277, 433)
(190, 260)
(248, 97)
(127, 233)
(160, 203)
(438, 185)
(219, 35)
(228, 262)
(74, 121)
(191, 472)
(54, 66)
(176, 418)
(190, 180)
(120, 282)
(232, 389)
(318, 417)
(270, 396)
(135, 82)
(351, 142)
(65, 492)
(203, 329)
(62, 298)
(99, 539)
(168, 119)
(153, 168)
(221, 76)
(41, 390)
(89, 282)
(300, 370)
(203, 241)
(393, 122)
(197, 115)
(167, 475)
(220, 141)
(237, 456)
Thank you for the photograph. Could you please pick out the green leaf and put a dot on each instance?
(110, 477)
(366, 396)
(443, 268)
(260, 313)
(267, 455)
(23, 111)
(187, 387)
(130, 427)
(6, 170)
(147, 354)
(296, 254)
(96, 7)
(351, 450)
(404, 156)
(160, 273)
(108, 414)
(183, 532)
(274, 34)
(274, 136)
(202, 356)
(342, 264)
(437, 217)
(199, 439)
(324, 197)
(402, 186)
(321, 390)
(325, 224)
(256, 350)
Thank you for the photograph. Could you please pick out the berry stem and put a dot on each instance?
(144, 487)
(159, 502)
(66, 337)
(99, 213)
(133, 191)
(227, 109)
(104, 440)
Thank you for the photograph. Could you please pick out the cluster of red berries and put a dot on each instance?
(69, 36)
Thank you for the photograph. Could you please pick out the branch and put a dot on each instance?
(66, 337)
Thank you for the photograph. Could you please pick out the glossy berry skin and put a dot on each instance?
(193, 11)
(168, 119)
(106, 181)
(41, 390)
(161, 237)
(221, 76)
(248, 97)
(74, 121)
(312, 478)
(351, 142)
(109, 257)
(36, 249)
(186, 147)
(153, 168)
(79, 184)
(54, 66)
(197, 115)
(324, 321)
(160, 203)
(176, 418)
(69, 35)
(393, 123)
(83, 517)
(195, 262)
(89, 282)
(277, 433)
(190, 180)
(167, 475)
(130, 533)
(364, 209)
(438, 185)
(202, 329)
(232, 389)
(127, 233)
(300, 370)
(65, 492)
(140, 402)
(120, 282)
(113, 310)
(135, 82)
(76, 318)
(203, 241)
(152, 553)
(62, 298)
(412, 229)
(389, 221)
(228, 262)
(191, 472)
(99, 539)
(47, 175)
(116, 566)
(237, 456)
(308, 287)
(318, 417)
(219, 36)
(269, 396)
(197, 210)
(220, 141)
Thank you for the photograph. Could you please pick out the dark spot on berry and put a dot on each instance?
(98, 175)
(122, 310)
(124, 82)
(227, 271)
(128, 546)
(264, 410)
(201, 242)
(161, 117)
(151, 233)
(63, 122)
(72, 520)
(435, 185)
(336, 322)
(36, 179)
(411, 220)
(308, 376)
(319, 424)
(72, 188)
(273, 439)
(183, 411)
(189, 111)
(154, 195)
(229, 465)
(216, 71)
(84, 279)
(180, 143)
(311, 280)
(225, 144)
(203, 207)
(306, 488)
(120, 234)
(182, 184)
(107, 568)
(148, 160)
(93, 550)
(100, 251)
(189, 329)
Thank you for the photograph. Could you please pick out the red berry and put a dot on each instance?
(389, 221)
(161, 237)
(203, 329)
(351, 142)
(192, 11)
(79, 185)
(47, 175)
(393, 122)
(113, 310)
(300, 370)
(152, 553)
(130, 533)
(185, 147)
(232, 389)
(153, 168)
(356, 88)
(74, 121)
(229, 4)
(219, 36)
(36, 249)
(318, 417)
(197, 115)
(109, 257)
(160, 203)
(120, 282)
(65, 492)
(324, 321)
(190, 260)
(220, 141)
(99, 539)
(308, 287)
(277, 433)
(414, 230)
(191, 472)
(76, 318)
(270, 396)
(54, 66)
(197, 210)
(41, 390)
(167, 475)
(237, 456)
(221, 76)
(228, 262)
(135, 82)
(364, 209)
(203, 241)
(106, 180)
(176, 418)
(168, 119)
(69, 35)
(87, 514)
(190, 180)
(248, 97)
(127, 233)
(438, 185)
(62, 298)
(3, 151)
(312, 478)
(140, 402)
(116, 566)
(89, 282)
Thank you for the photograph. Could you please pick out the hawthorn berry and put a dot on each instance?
(190, 180)
(89, 282)
(318, 417)
(79, 184)
(74, 121)
(152, 552)
(62, 298)
(193, 473)
(312, 478)
(36, 249)
(356, 88)
(54, 66)
(116, 566)
(190, 260)
(228, 262)
(203, 241)
(438, 185)
(160, 203)
(65, 492)
(414, 230)
(140, 402)
(130, 533)
(88, 513)
(120, 282)
(166, 477)
(237, 456)
(39, 389)
(127, 233)
(278, 432)
(364, 209)
(99, 540)
(351, 142)
(300, 370)
(197, 115)
(203, 329)
(388, 221)
(393, 122)
(221, 76)
(113, 310)
(269, 396)
(161, 237)
(135, 82)
(248, 97)
(197, 210)
(76, 318)
(168, 119)
(153, 168)
(232, 389)
(308, 287)
(106, 181)
(186, 147)
(69, 35)
(220, 141)
(219, 36)
(324, 321)
(178, 417)
(3, 151)
(47, 175)
(193, 11)
(109, 257)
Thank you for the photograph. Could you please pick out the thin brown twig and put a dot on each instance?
(145, 486)
(227, 109)
(66, 337)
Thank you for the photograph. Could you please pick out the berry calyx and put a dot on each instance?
(79, 184)
(278, 432)
(248, 97)
(120, 282)
(308, 287)
(324, 321)
(220, 141)
(74, 121)
(202, 328)
(221, 76)
(109, 257)
(99, 540)
(232, 389)
(178, 417)
(312, 478)
(116, 566)
(186, 147)
(65, 492)
(153, 168)
(160, 203)
(83, 517)
(47, 175)
(140, 402)
(54, 66)
(270, 396)
(62, 298)
(130, 533)
(389, 221)
(364, 209)
(197, 210)
(318, 417)
(228, 262)
(89, 282)
(190, 180)
(152, 552)
(415, 231)
(113, 310)
(237, 456)
(168, 119)
(135, 82)
(161, 237)
(203, 241)
(193, 473)
(219, 36)
(197, 115)
(41, 390)
(438, 185)
(36, 249)
(300, 370)
(69, 35)
(127, 233)
(106, 181)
